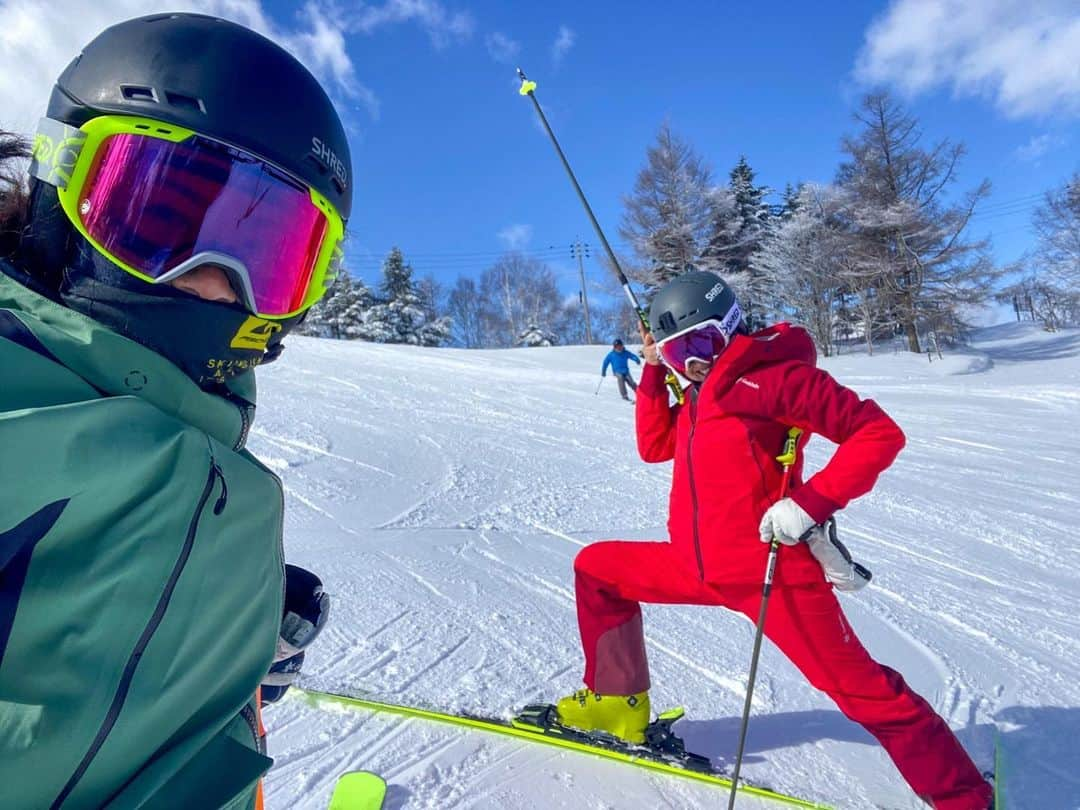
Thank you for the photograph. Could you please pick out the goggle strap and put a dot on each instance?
(731, 321)
(56, 149)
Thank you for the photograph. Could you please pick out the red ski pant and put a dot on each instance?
(805, 622)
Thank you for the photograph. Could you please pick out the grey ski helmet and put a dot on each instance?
(693, 298)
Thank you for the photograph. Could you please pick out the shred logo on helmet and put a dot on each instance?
(157, 137)
(326, 155)
(715, 291)
(694, 317)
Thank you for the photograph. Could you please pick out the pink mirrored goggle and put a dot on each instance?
(702, 342)
(162, 208)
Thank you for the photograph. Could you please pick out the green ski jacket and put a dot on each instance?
(141, 572)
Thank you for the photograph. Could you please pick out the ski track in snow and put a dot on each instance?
(443, 494)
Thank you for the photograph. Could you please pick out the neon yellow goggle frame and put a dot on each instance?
(66, 157)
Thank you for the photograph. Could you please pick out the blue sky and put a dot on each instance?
(456, 156)
(451, 164)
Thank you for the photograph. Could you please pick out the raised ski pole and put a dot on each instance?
(528, 88)
(787, 458)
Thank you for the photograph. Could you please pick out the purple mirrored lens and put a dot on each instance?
(703, 343)
(154, 204)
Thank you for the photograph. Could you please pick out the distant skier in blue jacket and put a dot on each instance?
(618, 358)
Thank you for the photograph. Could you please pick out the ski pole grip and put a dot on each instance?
(787, 458)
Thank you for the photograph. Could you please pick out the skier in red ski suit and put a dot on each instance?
(724, 440)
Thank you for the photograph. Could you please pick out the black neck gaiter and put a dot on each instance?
(210, 341)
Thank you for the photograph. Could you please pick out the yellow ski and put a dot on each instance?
(535, 734)
(358, 790)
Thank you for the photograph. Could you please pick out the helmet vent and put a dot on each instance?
(186, 102)
(138, 92)
(147, 128)
(667, 322)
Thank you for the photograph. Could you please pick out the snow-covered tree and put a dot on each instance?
(909, 237)
(535, 335)
(791, 200)
(401, 316)
(1056, 260)
(340, 313)
(802, 260)
(518, 292)
(1044, 299)
(1049, 287)
(740, 217)
(668, 216)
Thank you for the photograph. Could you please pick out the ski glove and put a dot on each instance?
(843, 572)
(307, 608)
(786, 521)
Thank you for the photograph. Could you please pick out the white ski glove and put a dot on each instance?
(786, 521)
(843, 572)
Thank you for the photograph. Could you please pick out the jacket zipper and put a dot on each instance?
(693, 489)
(128, 673)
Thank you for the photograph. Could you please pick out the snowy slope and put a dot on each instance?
(442, 495)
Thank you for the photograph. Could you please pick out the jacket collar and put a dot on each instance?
(775, 344)
(118, 366)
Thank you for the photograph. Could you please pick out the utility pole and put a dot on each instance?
(581, 250)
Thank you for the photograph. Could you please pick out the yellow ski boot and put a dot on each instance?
(623, 716)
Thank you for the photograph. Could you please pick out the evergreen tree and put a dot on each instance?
(401, 316)
(536, 336)
(739, 223)
(397, 279)
(792, 197)
(340, 313)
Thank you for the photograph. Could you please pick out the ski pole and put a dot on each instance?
(598, 386)
(787, 458)
(528, 88)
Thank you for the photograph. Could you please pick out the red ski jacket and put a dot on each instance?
(725, 438)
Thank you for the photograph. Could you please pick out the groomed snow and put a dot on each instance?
(442, 495)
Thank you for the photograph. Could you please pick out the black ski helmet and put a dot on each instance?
(692, 298)
(220, 79)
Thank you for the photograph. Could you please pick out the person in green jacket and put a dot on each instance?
(188, 193)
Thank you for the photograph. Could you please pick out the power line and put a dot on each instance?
(477, 253)
(435, 261)
(1014, 201)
